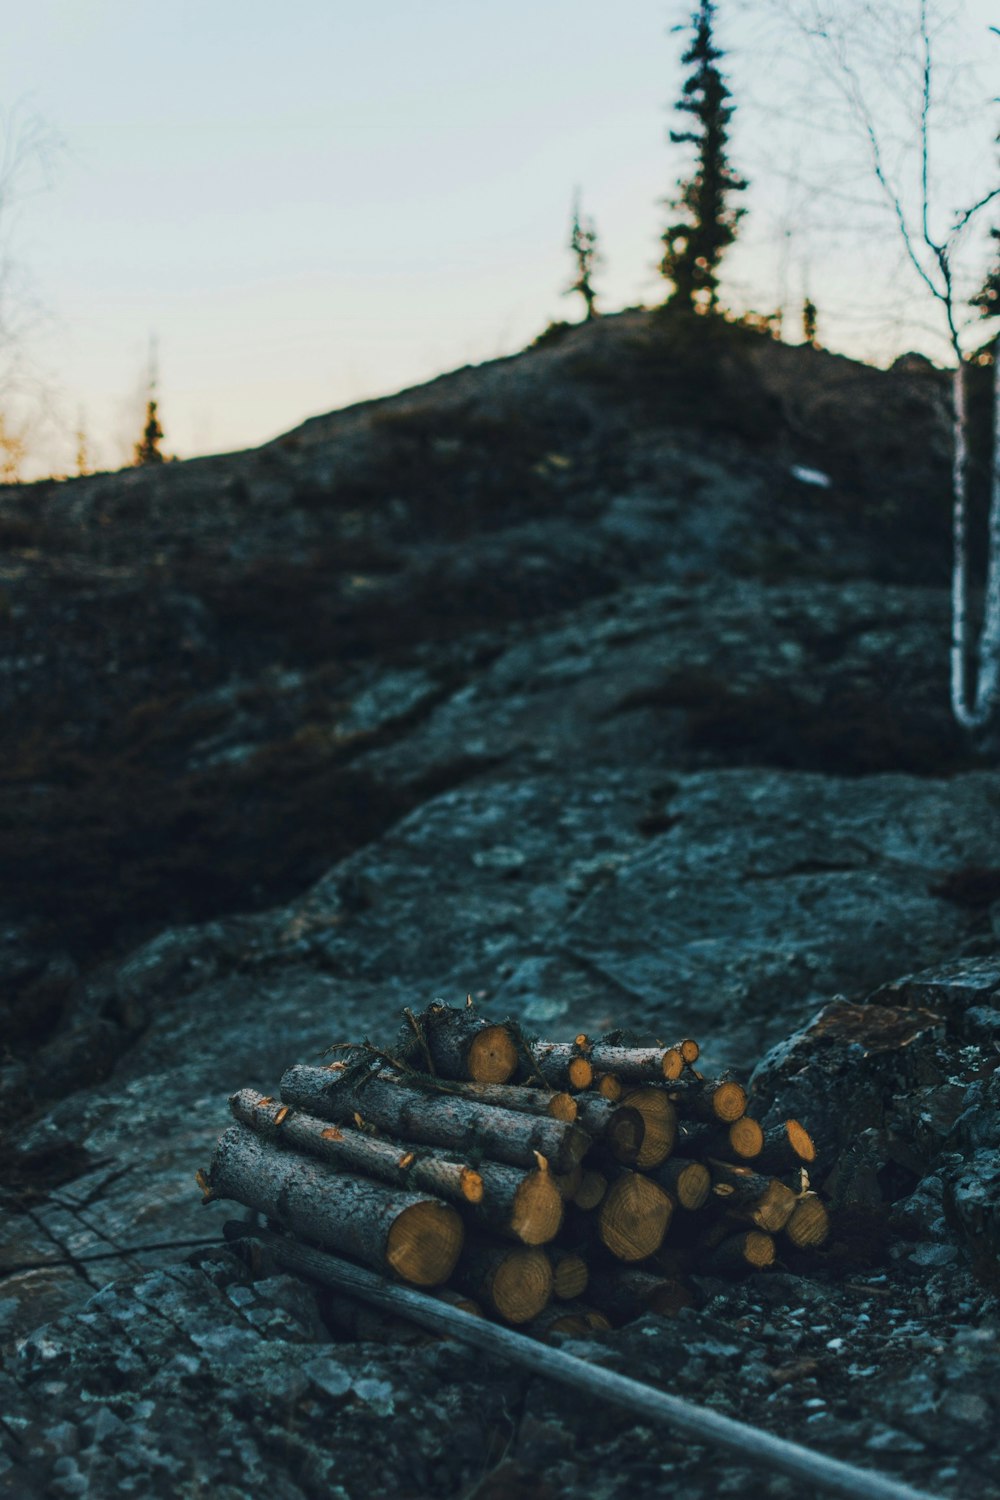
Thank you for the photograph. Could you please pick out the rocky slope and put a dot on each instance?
(607, 683)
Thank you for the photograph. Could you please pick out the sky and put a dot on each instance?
(311, 204)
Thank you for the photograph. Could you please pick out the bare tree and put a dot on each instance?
(936, 244)
(27, 150)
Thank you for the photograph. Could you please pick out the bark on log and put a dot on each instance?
(637, 1064)
(740, 1141)
(558, 1105)
(514, 1283)
(436, 1120)
(785, 1148)
(354, 1151)
(763, 1201)
(634, 1216)
(418, 1237)
(563, 1065)
(708, 1099)
(463, 1045)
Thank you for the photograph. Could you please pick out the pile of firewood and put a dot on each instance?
(557, 1186)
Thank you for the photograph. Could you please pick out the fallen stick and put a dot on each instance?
(748, 1445)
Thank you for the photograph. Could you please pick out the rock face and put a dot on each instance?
(550, 683)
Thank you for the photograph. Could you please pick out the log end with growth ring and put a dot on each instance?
(425, 1242)
(633, 1217)
(538, 1209)
(492, 1055)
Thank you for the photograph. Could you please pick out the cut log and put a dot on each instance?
(629, 1292)
(740, 1141)
(436, 1120)
(633, 1218)
(740, 1253)
(464, 1045)
(418, 1237)
(573, 1320)
(618, 1127)
(708, 1099)
(559, 1106)
(570, 1274)
(763, 1201)
(809, 1224)
(689, 1051)
(593, 1186)
(609, 1087)
(563, 1065)
(527, 1205)
(568, 1182)
(785, 1148)
(637, 1064)
(354, 1151)
(515, 1284)
(660, 1121)
(688, 1182)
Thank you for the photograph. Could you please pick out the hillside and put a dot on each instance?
(607, 682)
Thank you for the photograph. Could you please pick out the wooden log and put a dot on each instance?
(592, 1189)
(708, 1099)
(753, 1250)
(571, 1319)
(463, 1045)
(524, 1101)
(417, 1236)
(698, 1425)
(660, 1121)
(628, 1292)
(354, 1151)
(568, 1182)
(563, 1065)
(809, 1225)
(609, 1087)
(740, 1141)
(617, 1127)
(688, 1182)
(785, 1148)
(689, 1051)
(526, 1205)
(637, 1064)
(513, 1283)
(763, 1201)
(633, 1218)
(570, 1274)
(434, 1119)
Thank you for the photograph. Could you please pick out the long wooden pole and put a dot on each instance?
(708, 1428)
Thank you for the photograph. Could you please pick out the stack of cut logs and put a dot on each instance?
(556, 1186)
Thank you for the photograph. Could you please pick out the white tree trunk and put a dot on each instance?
(977, 714)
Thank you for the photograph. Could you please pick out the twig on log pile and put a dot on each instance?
(748, 1445)
(435, 1119)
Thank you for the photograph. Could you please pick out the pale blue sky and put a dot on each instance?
(317, 202)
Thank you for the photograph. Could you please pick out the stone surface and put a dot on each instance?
(549, 683)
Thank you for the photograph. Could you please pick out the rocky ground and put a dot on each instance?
(564, 682)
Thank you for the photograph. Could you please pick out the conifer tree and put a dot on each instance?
(695, 243)
(810, 317)
(148, 450)
(583, 244)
